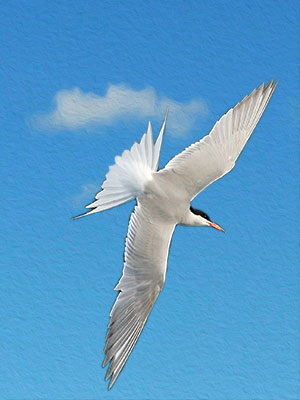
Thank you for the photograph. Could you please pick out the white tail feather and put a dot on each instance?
(126, 179)
(158, 143)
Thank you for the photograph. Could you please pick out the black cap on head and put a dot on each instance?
(199, 212)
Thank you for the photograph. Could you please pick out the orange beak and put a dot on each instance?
(216, 226)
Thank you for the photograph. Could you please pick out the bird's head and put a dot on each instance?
(202, 219)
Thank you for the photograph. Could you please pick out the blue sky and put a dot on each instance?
(226, 325)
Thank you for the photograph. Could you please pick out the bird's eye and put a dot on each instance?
(206, 216)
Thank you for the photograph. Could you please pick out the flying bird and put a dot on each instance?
(163, 200)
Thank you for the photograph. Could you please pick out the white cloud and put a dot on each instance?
(75, 109)
(87, 193)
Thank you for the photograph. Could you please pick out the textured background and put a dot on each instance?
(226, 325)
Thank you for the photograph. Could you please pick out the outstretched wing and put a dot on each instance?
(215, 155)
(146, 254)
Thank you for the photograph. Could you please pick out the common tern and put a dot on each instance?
(163, 200)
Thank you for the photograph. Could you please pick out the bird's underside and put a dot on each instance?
(163, 200)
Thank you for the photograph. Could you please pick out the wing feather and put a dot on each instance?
(145, 261)
(215, 154)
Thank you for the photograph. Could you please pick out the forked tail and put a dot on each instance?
(126, 179)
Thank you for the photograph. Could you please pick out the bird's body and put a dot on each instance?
(165, 198)
(163, 201)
